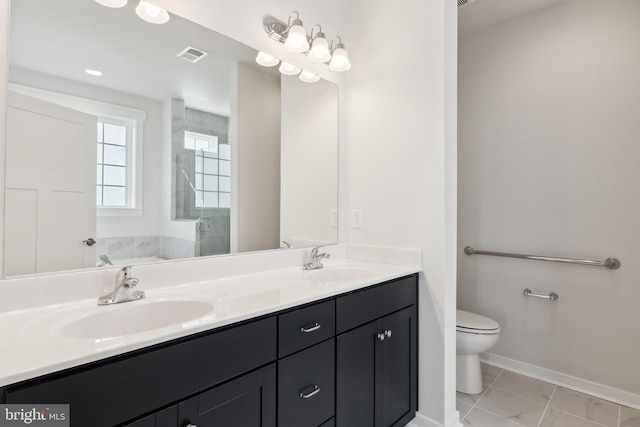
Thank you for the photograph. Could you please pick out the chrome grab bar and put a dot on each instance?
(610, 263)
(528, 293)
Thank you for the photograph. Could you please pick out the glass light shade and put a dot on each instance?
(288, 69)
(297, 38)
(112, 3)
(309, 77)
(340, 60)
(320, 49)
(266, 60)
(151, 13)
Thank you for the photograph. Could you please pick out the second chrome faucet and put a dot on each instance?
(315, 259)
(123, 291)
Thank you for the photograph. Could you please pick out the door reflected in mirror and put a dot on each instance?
(157, 157)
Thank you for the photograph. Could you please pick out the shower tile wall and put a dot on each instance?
(120, 248)
(515, 400)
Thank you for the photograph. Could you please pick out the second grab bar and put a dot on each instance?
(529, 293)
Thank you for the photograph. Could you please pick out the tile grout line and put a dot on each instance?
(483, 393)
(546, 408)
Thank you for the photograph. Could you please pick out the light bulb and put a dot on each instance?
(112, 3)
(297, 38)
(266, 60)
(340, 60)
(320, 49)
(151, 13)
(288, 69)
(309, 77)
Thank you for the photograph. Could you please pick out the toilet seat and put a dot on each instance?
(472, 323)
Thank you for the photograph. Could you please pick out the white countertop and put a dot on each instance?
(32, 345)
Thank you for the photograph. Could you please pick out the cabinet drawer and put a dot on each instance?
(306, 386)
(364, 306)
(134, 385)
(305, 327)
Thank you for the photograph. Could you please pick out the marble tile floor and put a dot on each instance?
(513, 400)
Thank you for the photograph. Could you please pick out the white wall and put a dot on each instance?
(309, 162)
(549, 165)
(255, 159)
(401, 164)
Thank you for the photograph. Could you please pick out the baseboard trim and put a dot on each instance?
(602, 391)
(423, 421)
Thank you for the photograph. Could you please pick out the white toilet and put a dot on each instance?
(474, 334)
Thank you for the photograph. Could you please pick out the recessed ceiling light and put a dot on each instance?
(93, 72)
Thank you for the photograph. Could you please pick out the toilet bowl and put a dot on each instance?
(474, 334)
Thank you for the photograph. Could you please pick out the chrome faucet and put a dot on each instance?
(104, 261)
(315, 259)
(123, 291)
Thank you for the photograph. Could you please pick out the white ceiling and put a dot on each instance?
(486, 13)
(65, 37)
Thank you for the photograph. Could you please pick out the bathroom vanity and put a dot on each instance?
(348, 359)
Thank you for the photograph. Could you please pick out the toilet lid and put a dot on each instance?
(466, 321)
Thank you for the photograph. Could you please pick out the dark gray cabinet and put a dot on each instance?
(288, 369)
(248, 401)
(376, 362)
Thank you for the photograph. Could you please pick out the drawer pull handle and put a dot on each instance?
(307, 329)
(312, 393)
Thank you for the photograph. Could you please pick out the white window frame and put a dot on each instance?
(134, 117)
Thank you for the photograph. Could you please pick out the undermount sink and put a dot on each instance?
(340, 273)
(134, 318)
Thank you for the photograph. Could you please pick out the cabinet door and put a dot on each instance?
(399, 372)
(358, 358)
(376, 372)
(248, 401)
(166, 418)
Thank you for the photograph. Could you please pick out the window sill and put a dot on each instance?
(119, 212)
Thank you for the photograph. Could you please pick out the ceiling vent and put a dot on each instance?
(463, 3)
(192, 54)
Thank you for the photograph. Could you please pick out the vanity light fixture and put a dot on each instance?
(267, 60)
(295, 38)
(296, 35)
(320, 47)
(288, 69)
(151, 13)
(112, 3)
(340, 59)
(309, 77)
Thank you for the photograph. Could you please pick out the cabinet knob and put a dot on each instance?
(381, 336)
(388, 333)
(191, 425)
(312, 393)
(307, 329)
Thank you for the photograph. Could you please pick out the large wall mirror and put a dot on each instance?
(130, 142)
